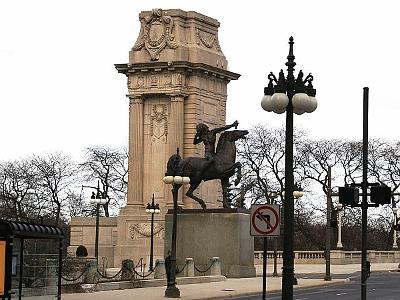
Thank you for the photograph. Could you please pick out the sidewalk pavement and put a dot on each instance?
(232, 287)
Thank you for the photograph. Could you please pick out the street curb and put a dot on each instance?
(275, 290)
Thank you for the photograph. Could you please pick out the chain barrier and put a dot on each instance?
(177, 269)
(75, 279)
(147, 275)
(206, 270)
(112, 277)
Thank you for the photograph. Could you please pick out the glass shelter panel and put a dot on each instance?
(39, 270)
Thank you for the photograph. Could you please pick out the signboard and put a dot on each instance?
(265, 220)
(2, 266)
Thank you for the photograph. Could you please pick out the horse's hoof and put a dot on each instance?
(203, 206)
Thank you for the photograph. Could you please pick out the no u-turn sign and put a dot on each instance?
(265, 220)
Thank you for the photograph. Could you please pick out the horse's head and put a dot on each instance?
(235, 135)
(229, 138)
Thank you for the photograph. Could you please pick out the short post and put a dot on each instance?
(127, 269)
(215, 266)
(159, 269)
(189, 270)
(90, 275)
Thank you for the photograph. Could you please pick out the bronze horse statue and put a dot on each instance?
(223, 167)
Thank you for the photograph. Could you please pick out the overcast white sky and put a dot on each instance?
(59, 89)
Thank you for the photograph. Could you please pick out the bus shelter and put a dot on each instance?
(30, 260)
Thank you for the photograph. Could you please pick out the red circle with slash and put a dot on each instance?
(272, 227)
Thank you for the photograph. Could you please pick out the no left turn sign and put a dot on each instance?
(265, 220)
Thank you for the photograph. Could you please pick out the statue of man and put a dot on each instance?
(208, 137)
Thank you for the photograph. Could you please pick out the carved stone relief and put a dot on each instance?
(156, 33)
(159, 122)
(155, 81)
(143, 230)
(167, 79)
(208, 39)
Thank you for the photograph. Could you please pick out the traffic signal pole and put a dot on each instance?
(364, 204)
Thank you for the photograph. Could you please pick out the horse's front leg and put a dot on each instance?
(189, 193)
(238, 166)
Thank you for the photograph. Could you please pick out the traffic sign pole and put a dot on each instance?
(265, 268)
(265, 222)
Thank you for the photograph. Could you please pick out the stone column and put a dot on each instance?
(175, 133)
(135, 182)
(176, 124)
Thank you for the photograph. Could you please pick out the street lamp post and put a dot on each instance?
(394, 208)
(328, 228)
(152, 209)
(97, 198)
(174, 176)
(339, 244)
(290, 95)
(297, 193)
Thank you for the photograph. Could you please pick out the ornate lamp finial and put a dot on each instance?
(290, 63)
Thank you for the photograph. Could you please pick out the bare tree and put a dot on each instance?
(19, 191)
(110, 167)
(262, 155)
(56, 174)
(77, 206)
(314, 159)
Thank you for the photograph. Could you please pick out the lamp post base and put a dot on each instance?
(172, 292)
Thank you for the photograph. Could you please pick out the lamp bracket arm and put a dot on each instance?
(272, 77)
(309, 78)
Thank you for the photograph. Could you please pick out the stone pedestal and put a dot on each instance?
(223, 233)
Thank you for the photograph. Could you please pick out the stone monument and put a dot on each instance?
(177, 77)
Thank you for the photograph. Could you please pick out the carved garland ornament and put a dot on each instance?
(207, 39)
(141, 230)
(155, 34)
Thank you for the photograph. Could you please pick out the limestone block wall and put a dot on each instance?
(83, 232)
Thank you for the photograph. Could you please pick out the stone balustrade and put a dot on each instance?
(338, 257)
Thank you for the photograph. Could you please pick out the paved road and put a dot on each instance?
(380, 286)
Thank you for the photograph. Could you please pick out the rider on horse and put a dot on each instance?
(208, 137)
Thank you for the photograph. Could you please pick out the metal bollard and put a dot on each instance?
(216, 266)
(159, 271)
(189, 270)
